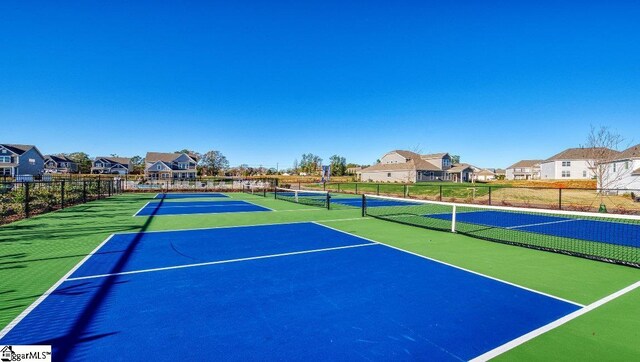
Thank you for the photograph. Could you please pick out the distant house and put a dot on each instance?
(500, 173)
(484, 175)
(574, 163)
(353, 170)
(111, 165)
(170, 166)
(407, 166)
(623, 172)
(18, 160)
(524, 170)
(59, 164)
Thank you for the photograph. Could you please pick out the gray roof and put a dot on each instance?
(629, 153)
(526, 163)
(588, 153)
(19, 149)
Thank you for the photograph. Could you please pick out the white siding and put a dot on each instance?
(389, 176)
(392, 158)
(566, 170)
(622, 177)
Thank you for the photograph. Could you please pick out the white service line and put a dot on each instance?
(33, 305)
(249, 202)
(555, 324)
(220, 262)
(457, 267)
(541, 223)
(142, 208)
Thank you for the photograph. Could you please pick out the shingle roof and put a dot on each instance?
(406, 154)
(485, 172)
(589, 153)
(165, 157)
(525, 163)
(121, 160)
(58, 158)
(19, 149)
(636, 172)
(459, 168)
(433, 155)
(631, 152)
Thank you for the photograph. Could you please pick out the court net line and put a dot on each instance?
(541, 223)
(555, 324)
(220, 262)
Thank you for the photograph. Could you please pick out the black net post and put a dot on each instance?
(324, 186)
(489, 195)
(364, 206)
(328, 201)
(62, 194)
(559, 199)
(26, 199)
(275, 192)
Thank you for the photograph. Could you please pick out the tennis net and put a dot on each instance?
(305, 197)
(606, 237)
(254, 190)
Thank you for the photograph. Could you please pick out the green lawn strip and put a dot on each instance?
(608, 333)
(576, 279)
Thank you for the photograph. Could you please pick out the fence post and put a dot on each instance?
(356, 188)
(99, 188)
(378, 189)
(440, 194)
(26, 199)
(404, 190)
(324, 186)
(559, 199)
(109, 188)
(489, 195)
(62, 194)
(84, 191)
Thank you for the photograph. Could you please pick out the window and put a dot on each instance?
(566, 173)
(566, 163)
(6, 159)
(584, 173)
(626, 165)
(98, 164)
(446, 162)
(388, 174)
(614, 167)
(158, 167)
(6, 171)
(32, 161)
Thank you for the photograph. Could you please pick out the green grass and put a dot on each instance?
(451, 191)
(36, 253)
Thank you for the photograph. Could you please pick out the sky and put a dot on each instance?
(266, 81)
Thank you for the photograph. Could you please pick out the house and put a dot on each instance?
(524, 170)
(484, 175)
(623, 172)
(59, 164)
(18, 160)
(407, 166)
(501, 174)
(174, 166)
(574, 163)
(353, 170)
(111, 165)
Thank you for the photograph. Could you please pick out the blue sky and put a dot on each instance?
(264, 82)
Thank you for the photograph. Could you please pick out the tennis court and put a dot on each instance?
(198, 207)
(324, 284)
(189, 195)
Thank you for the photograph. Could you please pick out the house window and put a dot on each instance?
(614, 167)
(388, 174)
(158, 167)
(98, 164)
(6, 171)
(32, 161)
(446, 162)
(566, 163)
(626, 165)
(566, 173)
(6, 159)
(584, 174)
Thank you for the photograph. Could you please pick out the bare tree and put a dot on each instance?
(603, 147)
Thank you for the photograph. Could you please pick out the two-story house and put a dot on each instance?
(111, 165)
(18, 160)
(407, 166)
(623, 172)
(59, 164)
(166, 166)
(523, 170)
(574, 163)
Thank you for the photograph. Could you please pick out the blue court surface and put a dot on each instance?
(190, 195)
(198, 207)
(288, 291)
(584, 229)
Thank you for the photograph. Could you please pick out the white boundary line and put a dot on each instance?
(221, 262)
(541, 223)
(455, 266)
(142, 208)
(33, 305)
(253, 203)
(557, 323)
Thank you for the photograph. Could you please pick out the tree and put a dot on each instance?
(295, 166)
(310, 163)
(83, 161)
(138, 164)
(602, 146)
(338, 165)
(455, 159)
(214, 162)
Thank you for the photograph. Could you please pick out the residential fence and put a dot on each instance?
(19, 200)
